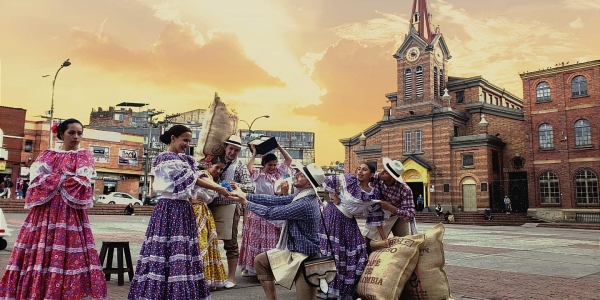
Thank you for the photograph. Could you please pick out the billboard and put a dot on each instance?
(128, 157)
(101, 154)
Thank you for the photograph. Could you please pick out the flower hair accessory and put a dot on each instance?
(208, 158)
(54, 127)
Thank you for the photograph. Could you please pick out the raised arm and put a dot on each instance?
(286, 156)
(250, 163)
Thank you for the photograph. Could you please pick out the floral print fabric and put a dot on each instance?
(54, 256)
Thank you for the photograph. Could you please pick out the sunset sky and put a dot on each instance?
(313, 65)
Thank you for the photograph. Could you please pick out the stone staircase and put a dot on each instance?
(17, 206)
(476, 218)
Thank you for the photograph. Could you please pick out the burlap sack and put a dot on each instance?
(429, 281)
(389, 269)
(218, 125)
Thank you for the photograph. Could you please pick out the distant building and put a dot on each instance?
(562, 134)
(299, 144)
(12, 143)
(458, 138)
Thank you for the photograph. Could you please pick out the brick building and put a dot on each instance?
(11, 144)
(562, 134)
(118, 156)
(455, 136)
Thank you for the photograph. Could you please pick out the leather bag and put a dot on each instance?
(319, 272)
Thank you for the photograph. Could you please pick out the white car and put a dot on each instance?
(118, 198)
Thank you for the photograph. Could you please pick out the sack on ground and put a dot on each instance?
(389, 268)
(219, 124)
(429, 281)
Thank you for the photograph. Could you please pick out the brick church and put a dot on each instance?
(460, 139)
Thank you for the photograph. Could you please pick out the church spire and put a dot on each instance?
(421, 20)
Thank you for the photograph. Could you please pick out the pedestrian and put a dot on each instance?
(260, 235)
(439, 210)
(350, 194)
(129, 210)
(420, 204)
(170, 265)
(449, 217)
(235, 172)
(397, 199)
(25, 187)
(3, 190)
(19, 189)
(507, 204)
(214, 269)
(54, 256)
(487, 214)
(8, 184)
(300, 234)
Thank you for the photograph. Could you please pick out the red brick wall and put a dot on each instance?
(12, 122)
(565, 159)
(107, 117)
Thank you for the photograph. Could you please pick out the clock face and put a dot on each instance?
(437, 53)
(412, 54)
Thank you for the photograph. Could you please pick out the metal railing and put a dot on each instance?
(587, 217)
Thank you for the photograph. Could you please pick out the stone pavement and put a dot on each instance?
(491, 262)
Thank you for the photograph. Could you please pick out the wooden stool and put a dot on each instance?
(122, 248)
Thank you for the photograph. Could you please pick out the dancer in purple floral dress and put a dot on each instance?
(170, 264)
(350, 195)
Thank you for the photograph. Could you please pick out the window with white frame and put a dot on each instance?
(549, 188)
(546, 136)
(583, 135)
(586, 186)
(579, 86)
(417, 140)
(542, 92)
(408, 142)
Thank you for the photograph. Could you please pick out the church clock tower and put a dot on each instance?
(421, 63)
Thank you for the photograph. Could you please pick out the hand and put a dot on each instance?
(233, 185)
(285, 188)
(223, 191)
(238, 192)
(335, 199)
(387, 206)
(253, 149)
(240, 198)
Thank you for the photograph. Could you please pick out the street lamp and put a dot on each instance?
(250, 125)
(66, 63)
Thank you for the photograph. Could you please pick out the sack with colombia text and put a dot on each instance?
(389, 267)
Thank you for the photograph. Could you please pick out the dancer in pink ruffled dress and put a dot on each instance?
(54, 256)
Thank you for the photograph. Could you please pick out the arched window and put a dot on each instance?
(579, 86)
(441, 93)
(408, 83)
(419, 81)
(583, 136)
(586, 186)
(435, 82)
(546, 136)
(549, 189)
(542, 92)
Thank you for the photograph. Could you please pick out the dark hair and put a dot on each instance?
(176, 130)
(265, 159)
(64, 125)
(216, 159)
(371, 167)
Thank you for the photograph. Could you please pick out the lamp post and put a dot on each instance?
(250, 125)
(66, 63)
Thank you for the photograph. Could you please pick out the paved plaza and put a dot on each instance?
(482, 262)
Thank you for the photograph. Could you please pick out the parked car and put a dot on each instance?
(152, 200)
(4, 231)
(118, 198)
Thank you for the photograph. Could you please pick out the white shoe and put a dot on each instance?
(229, 284)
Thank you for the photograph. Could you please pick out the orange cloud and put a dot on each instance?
(356, 79)
(179, 56)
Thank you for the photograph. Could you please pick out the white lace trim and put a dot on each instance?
(161, 278)
(88, 172)
(178, 238)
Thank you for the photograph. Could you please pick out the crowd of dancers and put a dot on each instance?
(55, 257)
